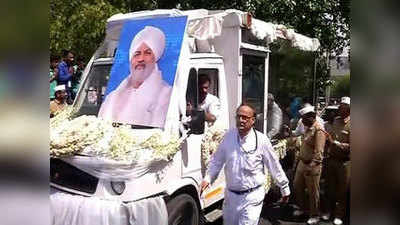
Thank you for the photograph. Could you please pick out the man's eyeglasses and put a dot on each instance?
(243, 117)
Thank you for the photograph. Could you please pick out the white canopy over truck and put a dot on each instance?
(88, 188)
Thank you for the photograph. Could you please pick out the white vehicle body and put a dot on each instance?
(216, 42)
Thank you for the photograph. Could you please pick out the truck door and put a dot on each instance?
(254, 89)
(192, 160)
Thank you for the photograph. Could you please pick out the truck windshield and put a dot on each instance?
(91, 96)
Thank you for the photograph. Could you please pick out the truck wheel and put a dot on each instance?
(182, 210)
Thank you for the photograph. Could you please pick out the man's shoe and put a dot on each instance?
(337, 221)
(326, 216)
(313, 220)
(298, 212)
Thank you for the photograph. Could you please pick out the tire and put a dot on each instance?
(182, 210)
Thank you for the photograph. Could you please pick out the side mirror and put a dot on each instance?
(198, 121)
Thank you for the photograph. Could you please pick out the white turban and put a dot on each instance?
(59, 88)
(306, 109)
(153, 37)
(345, 100)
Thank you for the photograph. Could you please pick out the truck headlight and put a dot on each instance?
(118, 187)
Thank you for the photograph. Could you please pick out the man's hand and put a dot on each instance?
(287, 132)
(204, 185)
(284, 199)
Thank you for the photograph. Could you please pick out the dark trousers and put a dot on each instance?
(339, 172)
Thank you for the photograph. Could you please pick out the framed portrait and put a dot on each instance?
(143, 73)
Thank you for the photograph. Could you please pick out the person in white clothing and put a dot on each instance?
(143, 97)
(245, 152)
(274, 118)
(208, 102)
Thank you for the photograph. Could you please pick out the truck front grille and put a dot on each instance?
(66, 175)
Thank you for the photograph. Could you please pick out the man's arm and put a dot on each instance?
(210, 117)
(214, 166)
(342, 145)
(274, 167)
(300, 129)
(214, 110)
(216, 163)
(320, 139)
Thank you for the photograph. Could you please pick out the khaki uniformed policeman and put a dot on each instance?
(339, 166)
(308, 170)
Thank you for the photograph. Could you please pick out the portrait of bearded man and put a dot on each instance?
(142, 98)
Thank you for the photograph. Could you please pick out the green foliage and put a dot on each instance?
(290, 72)
(79, 25)
(23, 28)
(341, 87)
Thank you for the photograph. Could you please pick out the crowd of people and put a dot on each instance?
(65, 75)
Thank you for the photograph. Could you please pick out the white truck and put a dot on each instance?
(232, 48)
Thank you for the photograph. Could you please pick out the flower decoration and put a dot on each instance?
(98, 138)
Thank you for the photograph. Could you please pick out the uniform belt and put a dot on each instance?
(244, 191)
(306, 161)
(339, 159)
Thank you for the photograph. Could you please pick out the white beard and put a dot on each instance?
(140, 75)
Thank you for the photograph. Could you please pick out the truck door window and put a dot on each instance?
(192, 87)
(253, 86)
(91, 97)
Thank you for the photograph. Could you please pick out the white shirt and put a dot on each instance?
(211, 105)
(146, 105)
(246, 170)
(274, 120)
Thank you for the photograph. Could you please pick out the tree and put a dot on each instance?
(341, 86)
(78, 25)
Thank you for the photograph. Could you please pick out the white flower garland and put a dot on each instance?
(72, 136)
(209, 144)
(60, 117)
(96, 137)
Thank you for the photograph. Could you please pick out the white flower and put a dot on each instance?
(98, 138)
(210, 142)
(280, 150)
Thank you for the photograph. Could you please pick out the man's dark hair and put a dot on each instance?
(65, 53)
(248, 104)
(204, 78)
(54, 58)
(80, 59)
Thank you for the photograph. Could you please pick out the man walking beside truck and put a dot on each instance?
(245, 152)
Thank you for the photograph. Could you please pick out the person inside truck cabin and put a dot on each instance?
(274, 118)
(142, 98)
(208, 102)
